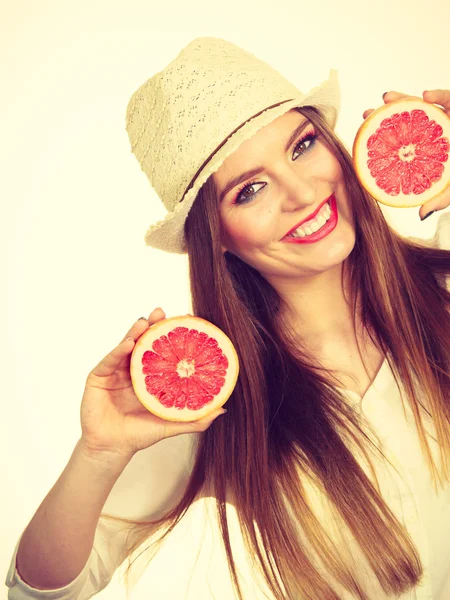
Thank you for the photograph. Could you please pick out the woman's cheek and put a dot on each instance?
(250, 228)
(336, 172)
(330, 168)
(257, 227)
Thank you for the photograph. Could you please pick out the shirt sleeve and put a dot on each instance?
(152, 482)
(441, 238)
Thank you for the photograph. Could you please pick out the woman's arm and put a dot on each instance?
(57, 543)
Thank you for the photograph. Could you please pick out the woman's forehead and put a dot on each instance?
(280, 128)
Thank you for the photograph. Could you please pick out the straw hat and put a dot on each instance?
(187, 119)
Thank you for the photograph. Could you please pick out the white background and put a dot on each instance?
(76, 206)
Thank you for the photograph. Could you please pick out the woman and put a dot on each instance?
(322, 470)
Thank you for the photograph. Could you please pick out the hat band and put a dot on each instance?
(210, 157)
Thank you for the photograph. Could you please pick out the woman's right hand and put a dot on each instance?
(113, 421)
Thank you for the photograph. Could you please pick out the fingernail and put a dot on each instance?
(426, 216)
(144, 318)
(223, 412)
(384, 94)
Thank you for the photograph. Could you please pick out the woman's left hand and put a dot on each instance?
(441, 97)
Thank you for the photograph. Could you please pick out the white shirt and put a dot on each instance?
(192, 563)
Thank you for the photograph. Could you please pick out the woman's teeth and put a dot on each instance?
(313, 225)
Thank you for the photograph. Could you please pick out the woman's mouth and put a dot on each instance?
(316, 228)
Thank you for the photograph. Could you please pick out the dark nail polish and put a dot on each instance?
(144, 318)
(384, 95)
(426, 216)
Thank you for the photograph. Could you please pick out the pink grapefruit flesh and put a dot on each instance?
(401, 153)
(183, 368)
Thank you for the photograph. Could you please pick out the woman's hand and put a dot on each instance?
(442, 98)
(113, 421)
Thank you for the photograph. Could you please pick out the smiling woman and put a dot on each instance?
(329, 474)
(295, 181)
(281, 301)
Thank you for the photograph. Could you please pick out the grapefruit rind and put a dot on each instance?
(144, 343)
(360, 152)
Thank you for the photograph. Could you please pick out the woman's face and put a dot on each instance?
(295, 177)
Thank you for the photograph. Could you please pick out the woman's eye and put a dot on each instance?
(248, 192)
(245, 195)
(308, 142)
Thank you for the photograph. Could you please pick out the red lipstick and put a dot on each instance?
(322, 232)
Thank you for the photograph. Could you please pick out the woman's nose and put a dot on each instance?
(297, 191)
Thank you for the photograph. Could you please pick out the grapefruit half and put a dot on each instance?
(183, 368)
(400, 152)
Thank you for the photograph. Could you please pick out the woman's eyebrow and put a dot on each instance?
(252, 172)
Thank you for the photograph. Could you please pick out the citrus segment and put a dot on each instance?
(183, 368)
(401, 152)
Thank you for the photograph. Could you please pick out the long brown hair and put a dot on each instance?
(289, 429)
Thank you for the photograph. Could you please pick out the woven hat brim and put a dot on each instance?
(168, 233)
